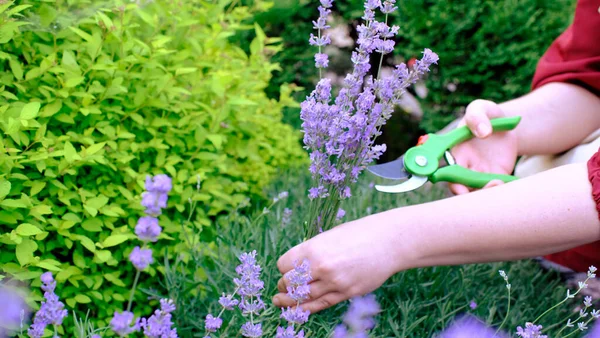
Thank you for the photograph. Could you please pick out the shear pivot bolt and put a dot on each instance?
(421, 161)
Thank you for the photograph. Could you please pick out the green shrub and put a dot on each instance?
(95, 97)
(488, 49)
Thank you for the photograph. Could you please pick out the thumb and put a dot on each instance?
(478, 115)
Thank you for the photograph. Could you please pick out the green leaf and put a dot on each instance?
(25, 251)
(27, 229)
(74, 81)
(185, 70)
(48, 266)
(51, 108)
(4, 188)
(97, 202)
(36, 187)
(92, 225)
(114, 240)
(83, 299)
(41, 209)
(70, 152)
(12, 203)
(103, 255)
(81, 33)
(30, 111)
(87, 243)
(15, 67)
(94, 148)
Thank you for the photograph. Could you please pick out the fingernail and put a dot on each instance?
(483, 129)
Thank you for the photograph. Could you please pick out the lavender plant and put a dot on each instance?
(340, 132)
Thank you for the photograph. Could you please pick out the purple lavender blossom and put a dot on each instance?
(141, 258)
(388, 6)
(212, 324)
(159, 183)
(340, 214)
(321, 60)
(147, 229)
(531, 331)
(228, 302)
(473, 305)
(154, 202)
(160, 324)
(251, 330)
(299, 278)
(249, 284)
(13, 307)
(124, 323)
(295, 315)
(288, 332)
(467, 327)
(287, 217)
(359, 317)
(52, 311)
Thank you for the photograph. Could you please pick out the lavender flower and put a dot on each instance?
(52, 311)
(531, 331)
(473, 305)
(124, 323)
(321, 60)
(13, 307)
(340, 135)
(469, 326)
(212, 324)
(295, 315)
(359, 316)
(251, 330)
(340, 214)
(288, 332)
(160, 324)
(299, 278)
(147, 229)
(287, 217)
(156, 195)
(228, 302)
(141, 258)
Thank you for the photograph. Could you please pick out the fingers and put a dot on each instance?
(285, 263)
(313, 305)
(458, 189)
(317, 290)
(478, 115)
(324, 302)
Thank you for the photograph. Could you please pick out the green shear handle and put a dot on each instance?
(423, 160)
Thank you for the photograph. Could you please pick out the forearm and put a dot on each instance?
(555, 118)
(545, 213)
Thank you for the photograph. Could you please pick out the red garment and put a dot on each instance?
(574, 57)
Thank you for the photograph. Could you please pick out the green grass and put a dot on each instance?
(415, 303)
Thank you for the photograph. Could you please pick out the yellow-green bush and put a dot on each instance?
(94, 97)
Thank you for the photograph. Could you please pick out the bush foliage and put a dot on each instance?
(96, 96)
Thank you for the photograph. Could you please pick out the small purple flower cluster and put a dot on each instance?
(530, 331)
(340, 135)
(359, 318)
(298, 290)
(287, 217)
(249, 287)
(51, 312)
(160, 325)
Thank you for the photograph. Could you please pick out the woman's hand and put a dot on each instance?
(488, 152)
(350, 260)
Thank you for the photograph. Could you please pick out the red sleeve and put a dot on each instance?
(574, 57)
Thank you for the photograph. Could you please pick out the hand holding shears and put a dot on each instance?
(421, 163)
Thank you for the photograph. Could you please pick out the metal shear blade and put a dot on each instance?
(393, 170)
(413, 183)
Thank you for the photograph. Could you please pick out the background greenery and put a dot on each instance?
(96, 96)
(488, 49)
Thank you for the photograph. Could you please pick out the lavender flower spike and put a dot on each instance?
(531, 331)
(160, 324)
(251, 330)
(212, 324)
(299, 278)
(141, 258)
(124, 323)
(51, 312)
(147, 229)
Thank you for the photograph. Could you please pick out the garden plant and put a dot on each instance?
(121, 138)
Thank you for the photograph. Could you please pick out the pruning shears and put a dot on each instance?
(421, 163)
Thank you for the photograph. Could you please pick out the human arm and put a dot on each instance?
(545, 213)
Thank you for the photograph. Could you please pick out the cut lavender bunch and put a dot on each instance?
(340, 132)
